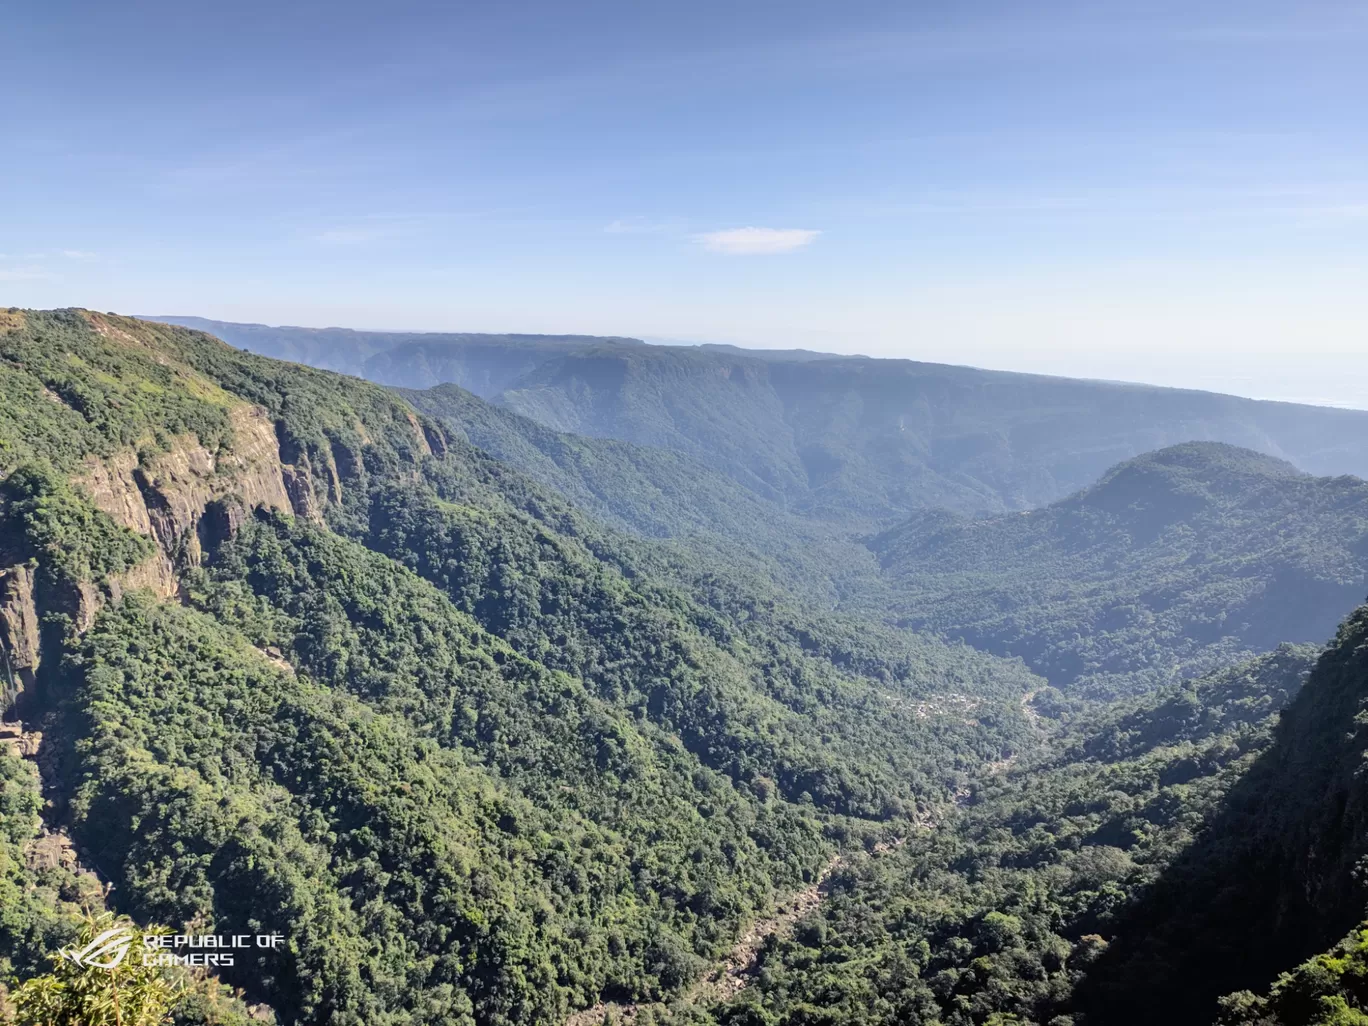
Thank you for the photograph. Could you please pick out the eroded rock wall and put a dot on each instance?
(167, 497)
(20, 651)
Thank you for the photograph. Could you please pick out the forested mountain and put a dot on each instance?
(872, 437)
(1175, 562)
(1193, 856)
(652, 491)
(1006, 911)
(840, 438)
(500, 724)
(482, 362)
(1274, 877)
(781, 355)
(305, 661)
(335, 349)
(666, 494)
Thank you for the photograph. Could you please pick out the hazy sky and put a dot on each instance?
(1170, 192)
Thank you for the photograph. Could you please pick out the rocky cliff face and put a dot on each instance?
(187, 494)
(185, 499)
(233, 436)
(19, 641)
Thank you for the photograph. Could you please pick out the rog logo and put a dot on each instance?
(106, 951)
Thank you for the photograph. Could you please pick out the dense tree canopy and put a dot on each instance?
(481, 758)
(498, 724)
(1176, 562)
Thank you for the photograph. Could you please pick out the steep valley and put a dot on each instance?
(527, 712)
(602, 775)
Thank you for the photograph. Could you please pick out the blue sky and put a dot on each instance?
(1172, 192)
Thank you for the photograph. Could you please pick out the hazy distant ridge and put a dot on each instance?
(832, 436)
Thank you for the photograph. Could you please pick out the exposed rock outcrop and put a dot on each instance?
(24, 743)
(155, 574)
(80, 600)
(51, 849)
(167, 497)
(19, 640)
(299, 487)
(421, 436)
(436, 441)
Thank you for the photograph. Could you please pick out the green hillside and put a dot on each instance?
(1174, 563)
(651, 491)
(873, 437)
(1274, 878)
(499, 724)
(660, 493)
(306, 661)
(842, 439)
(1011, 910)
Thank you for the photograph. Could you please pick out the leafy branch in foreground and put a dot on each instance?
(110, 987)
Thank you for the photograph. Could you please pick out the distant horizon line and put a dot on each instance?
(673, 342)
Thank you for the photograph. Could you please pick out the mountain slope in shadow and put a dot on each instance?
(1275, 875)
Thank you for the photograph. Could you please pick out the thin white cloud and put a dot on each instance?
(750, 240)
(79, 254)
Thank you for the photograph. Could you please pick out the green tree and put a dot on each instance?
(122, 993)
